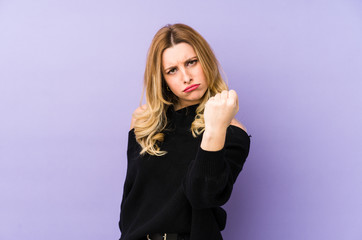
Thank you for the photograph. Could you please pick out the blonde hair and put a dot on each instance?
(152, 121)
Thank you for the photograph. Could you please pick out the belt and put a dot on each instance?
(167, 236)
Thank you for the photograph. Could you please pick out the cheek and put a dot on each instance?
(199, 73)
(171, 82)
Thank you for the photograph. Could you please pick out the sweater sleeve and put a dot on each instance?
(211, 175)
(132, 152)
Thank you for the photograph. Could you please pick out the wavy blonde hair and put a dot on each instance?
(150, 123)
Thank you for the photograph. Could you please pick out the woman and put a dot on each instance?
(185, 148)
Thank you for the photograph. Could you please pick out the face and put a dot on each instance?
(183, 74)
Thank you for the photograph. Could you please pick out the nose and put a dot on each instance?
(186, 76)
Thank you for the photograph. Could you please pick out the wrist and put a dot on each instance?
(212, 130)
(213, 139)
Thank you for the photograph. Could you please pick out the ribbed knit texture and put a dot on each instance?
(182, 191)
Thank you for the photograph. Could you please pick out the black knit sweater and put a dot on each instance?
(182, 191)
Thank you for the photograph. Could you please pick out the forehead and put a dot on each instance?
(177, 54)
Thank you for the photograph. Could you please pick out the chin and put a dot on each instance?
(195, 97)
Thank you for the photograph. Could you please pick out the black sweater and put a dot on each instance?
(182, 191)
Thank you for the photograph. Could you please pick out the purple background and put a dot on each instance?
(71, 75)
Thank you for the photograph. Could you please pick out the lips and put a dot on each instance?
(191, 87)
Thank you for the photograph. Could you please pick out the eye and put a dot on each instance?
(171, 71)
(192, 62)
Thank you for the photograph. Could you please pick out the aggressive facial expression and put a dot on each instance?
(183, 74)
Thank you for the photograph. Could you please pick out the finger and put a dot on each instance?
(217, 97)
(233, 95)
(224, 95)
(210, 101)
(233, 99)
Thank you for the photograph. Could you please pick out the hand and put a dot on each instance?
(220, 110)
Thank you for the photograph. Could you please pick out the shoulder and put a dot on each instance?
(136, 112)
(242, 138)
(140, 109)
(236, 123)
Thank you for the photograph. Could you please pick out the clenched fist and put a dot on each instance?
(218, 113)
(220, 110)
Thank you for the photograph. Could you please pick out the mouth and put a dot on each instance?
(191, 88)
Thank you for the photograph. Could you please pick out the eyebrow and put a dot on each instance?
(189, 59)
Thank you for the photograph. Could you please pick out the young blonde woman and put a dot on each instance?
(185, 148)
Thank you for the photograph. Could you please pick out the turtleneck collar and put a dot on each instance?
(186, 110)
(183, 117)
